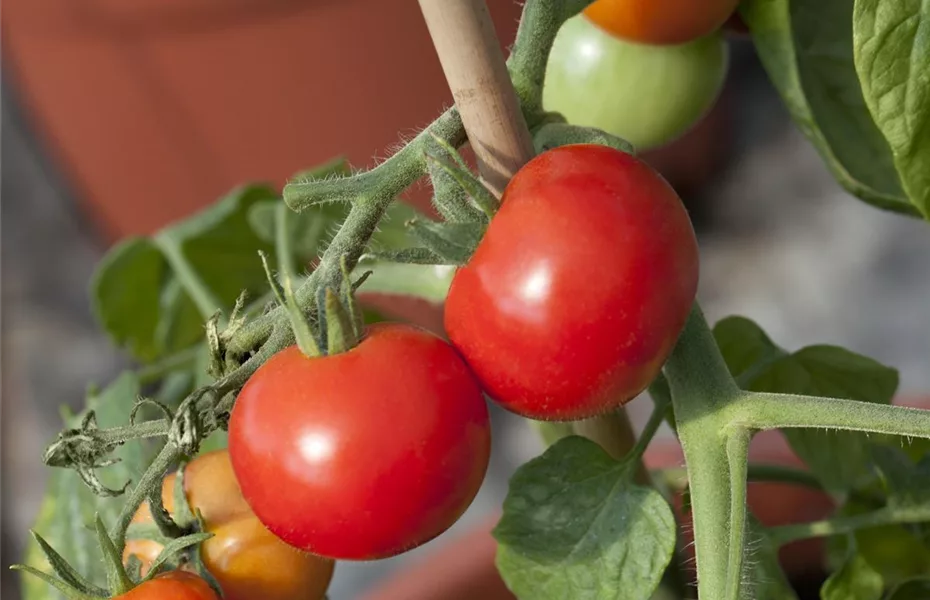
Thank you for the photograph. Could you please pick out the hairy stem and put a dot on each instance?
(762, 410)
(702, 389)
(737, 459)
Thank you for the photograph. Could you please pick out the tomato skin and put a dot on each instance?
(579, 289)
(176, 585)
(247, 560)
(648, 95)
(663, 22)
(365, 454)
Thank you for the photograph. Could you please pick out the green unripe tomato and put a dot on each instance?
(649, 95)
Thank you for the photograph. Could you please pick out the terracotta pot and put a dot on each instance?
(154, 108)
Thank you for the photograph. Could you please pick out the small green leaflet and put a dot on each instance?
(576, 526)
(854, 580)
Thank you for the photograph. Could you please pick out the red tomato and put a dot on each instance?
(176, 585)
(663, 22)
(579, 289)
(365, 454)
(246, 559)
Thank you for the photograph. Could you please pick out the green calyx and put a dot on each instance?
(341, 325)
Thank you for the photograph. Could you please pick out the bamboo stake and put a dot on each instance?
(473, 63)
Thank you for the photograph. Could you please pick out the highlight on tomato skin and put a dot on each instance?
(247, 560)
(660, 22)
(365, 454)
(648, 95)
(173, 585)
(576, 295)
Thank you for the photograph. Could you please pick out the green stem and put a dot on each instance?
(203, 297)
(656, 418)
(737, 459)
(702, 390)
(539, 25)
(780, 474)
(760, 410)
(165, 460)
(847, 524)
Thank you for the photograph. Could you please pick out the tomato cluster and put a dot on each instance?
(643, 70)
(568, 308)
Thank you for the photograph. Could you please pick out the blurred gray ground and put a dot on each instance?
(786, 247)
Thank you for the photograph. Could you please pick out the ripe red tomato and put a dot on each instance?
(364, 454)
(177, 585)
(580, 287)
(660, 21)
(648, 95)
(247, 560)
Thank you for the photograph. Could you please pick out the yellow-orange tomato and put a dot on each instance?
(247, 560)
(664, 22)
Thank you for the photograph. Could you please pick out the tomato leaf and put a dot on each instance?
(745, 347)
(217, 249)
(576, 526)
(906, 484)
(126, 290)
(67, 513)
(149, 294)
(891, 43)
(913, 589)
(854, 580)
(806, 47)
(840, 459)
(764, 578)
(894, 551)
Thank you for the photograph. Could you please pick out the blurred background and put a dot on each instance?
(118, 118)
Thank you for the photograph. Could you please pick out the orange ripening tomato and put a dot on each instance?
(177, 585)
(661, 22)
(247, 560)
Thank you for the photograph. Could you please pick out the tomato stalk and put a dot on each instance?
(701, 388)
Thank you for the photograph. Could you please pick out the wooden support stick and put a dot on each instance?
(473, 62)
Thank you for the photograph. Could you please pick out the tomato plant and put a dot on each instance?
(548, 335)
(660, 21)
(564, 298)
(649, 95)
(246, 559)
(364, 454)
(177, 585)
